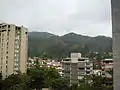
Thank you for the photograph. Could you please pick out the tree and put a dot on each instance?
(98, 82)
(51, 74)
(59, 84)
(85, 86)
(0, 81)
(36, 77)
(16, 82)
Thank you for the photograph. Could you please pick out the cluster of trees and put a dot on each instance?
(35, 78)
(53, 46)
(92, 83)
(40, 77)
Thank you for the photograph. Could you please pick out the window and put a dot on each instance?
(81, 68)
(7, 43)
(8, 26)
(6, 68)
(3, 30)
(6, 57)
(6, 62)
(25, 32)
(19, 28)
(15, 28)
(7, 52)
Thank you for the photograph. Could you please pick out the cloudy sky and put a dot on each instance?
(87, 17)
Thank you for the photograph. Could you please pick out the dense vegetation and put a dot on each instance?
(39, 77)
(53, 46)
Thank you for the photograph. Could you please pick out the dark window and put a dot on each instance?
(81, 59)
(3, 30)
(7, 52)
(6, 62)
(6, 57)
(67, 59)
(25, 32)
(87, 72)
(7, 43)
(15, 28)
(8, 26)
(19, 28)
(81, 68)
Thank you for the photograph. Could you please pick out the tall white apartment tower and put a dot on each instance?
(13, 49)
(116, 41)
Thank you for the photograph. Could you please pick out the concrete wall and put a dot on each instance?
(116, 41)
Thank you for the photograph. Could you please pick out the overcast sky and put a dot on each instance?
(87, 17)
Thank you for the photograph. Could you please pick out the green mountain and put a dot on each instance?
(50, 45)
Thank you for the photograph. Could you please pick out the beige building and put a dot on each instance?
(76, 67)
(13, 49)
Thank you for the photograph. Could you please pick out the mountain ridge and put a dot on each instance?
(60, 46)
(68, 34)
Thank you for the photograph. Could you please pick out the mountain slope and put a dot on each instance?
(43, 43)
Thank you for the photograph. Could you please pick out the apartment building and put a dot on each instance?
(107, 67)
(13, 49)
(107, 64)
(76, 67)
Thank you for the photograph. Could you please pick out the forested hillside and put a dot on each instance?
(43, 43)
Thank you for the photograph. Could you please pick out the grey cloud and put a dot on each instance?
(89, 17)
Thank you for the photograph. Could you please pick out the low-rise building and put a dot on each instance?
(30, 62)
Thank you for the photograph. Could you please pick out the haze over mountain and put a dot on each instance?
(44, 43)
